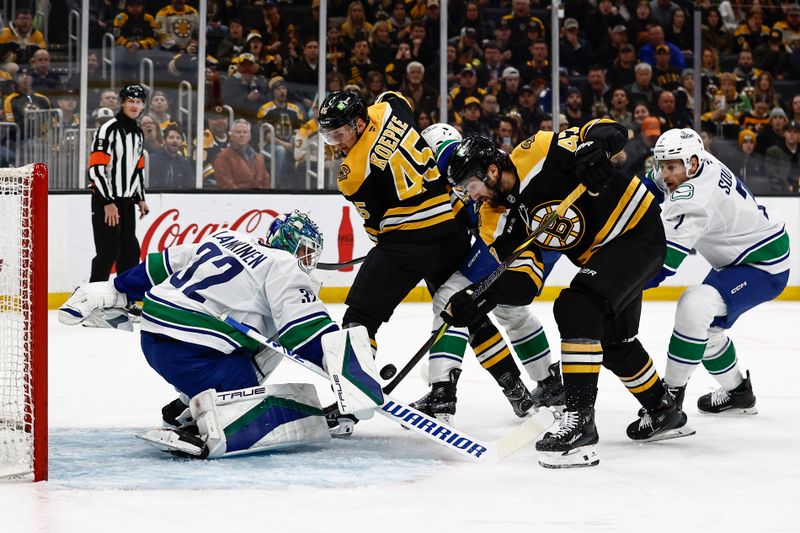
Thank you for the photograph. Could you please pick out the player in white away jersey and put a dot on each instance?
(708, 209)
(185, 290)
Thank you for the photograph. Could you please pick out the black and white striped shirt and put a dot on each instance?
(116, 164)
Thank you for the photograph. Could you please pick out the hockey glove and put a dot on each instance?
(593, 166)
(463, 310)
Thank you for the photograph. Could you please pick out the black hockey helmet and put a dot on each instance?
(340, 108)
(472, 158)
(133, 91)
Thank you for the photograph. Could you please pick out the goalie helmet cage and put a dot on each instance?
(23, 322)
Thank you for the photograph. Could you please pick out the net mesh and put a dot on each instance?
(16, 413)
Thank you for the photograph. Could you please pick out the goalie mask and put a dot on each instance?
(296, 233)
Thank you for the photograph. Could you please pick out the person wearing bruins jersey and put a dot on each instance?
(613, 234)
(390, 175)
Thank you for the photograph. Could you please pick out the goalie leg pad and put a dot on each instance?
(349, 362)
(88, 298)
(258, 419)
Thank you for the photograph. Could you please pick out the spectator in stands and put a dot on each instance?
(467, 86)
(619, 109)
(334, 81)
(796, 107)
(471, 123)
(647, 53)
(596, 90)
(216, 31)
(245, 91)
(502, 36)
(23, 99)
(643, 89)
(473, 18)
(239, 166)
(576, 53)
(709, 66)
(431, 21)
(610, 49)
(745, 70)
(215, 139)
(519, 19)
(639, 151)
(764, 91)
(664, 75)
(490, 71)
(20, 40)
(521, 50)
(419, 52)
(546, 124)
(67, 102)
(719, 122)
(622, 73)
(175, 25)
(151, 133)
(272, 26)
(396, 70)
(638, 24)
(736, 103)
(422, 95)
(684, 95)
(679, 32)
(382, 48)
(640, 112)
(304, 70)
(422, 119)
(573, 108)
(399, 22)
(268, 64)
(490, 111)
(335, 53)
(355, 25)
(758, 118)
(669, 115)
(790, 24)
(772, 56)
(233, 45)
(748, 165)
(537, 67)
(783, 160)
(159, 109)
(772, 135)
(101, 115)
(508, 135)
(134, 29)
(752, 32)
(714, 33)
(286, 117)
(45, 80)
(661, 11)
(169, 168)
(599, 22)
(546, 95)
(109, 99)
(374, 87)
(469, 52)
(359, 64)
(507, 97)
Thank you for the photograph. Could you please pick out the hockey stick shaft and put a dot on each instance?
(435, 430)
(484, 285)
(337, 266)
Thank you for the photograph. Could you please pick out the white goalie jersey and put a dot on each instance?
(717, 215)
(233, 273)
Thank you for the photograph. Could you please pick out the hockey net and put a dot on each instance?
(23, 322)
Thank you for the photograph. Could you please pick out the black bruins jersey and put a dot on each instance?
(545, 164)
(391, 177)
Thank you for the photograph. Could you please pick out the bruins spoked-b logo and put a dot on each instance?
(565, 233)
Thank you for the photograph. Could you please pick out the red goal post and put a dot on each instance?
(23, 322)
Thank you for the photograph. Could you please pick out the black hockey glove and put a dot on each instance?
(463, 311)
(593, 166)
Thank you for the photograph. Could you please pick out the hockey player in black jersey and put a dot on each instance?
(390, 175)
(613, 233)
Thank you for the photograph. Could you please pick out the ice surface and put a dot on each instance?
(736, 474)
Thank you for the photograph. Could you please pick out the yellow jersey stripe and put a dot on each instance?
(647, 385)
(580, 369)
(444, 217)
(612, 219)
(399, 211)
(639, 212)
(581, 348)
(639, 373)
(497, 358)
(494, 339)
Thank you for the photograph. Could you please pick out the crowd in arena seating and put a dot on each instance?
(630, 60)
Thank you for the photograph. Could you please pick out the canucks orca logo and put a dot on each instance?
(566, 232)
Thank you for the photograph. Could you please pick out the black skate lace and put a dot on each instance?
(568, 422)
(719, 397)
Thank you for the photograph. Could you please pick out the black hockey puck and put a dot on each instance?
(388, 371)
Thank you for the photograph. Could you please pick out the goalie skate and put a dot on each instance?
(178, 442)
(341, 426)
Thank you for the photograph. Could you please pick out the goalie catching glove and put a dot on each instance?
(462, 310)
(593, 166)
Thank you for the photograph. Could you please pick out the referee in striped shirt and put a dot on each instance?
(116, 171)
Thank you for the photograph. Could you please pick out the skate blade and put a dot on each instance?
(169, 441)
(732, 412)
(674, 433)
(580, 457)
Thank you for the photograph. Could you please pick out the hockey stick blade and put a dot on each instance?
(337, 266)
(422, 424)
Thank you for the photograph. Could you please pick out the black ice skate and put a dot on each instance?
(573, 445)
(740, 400)
(549, 392)
(666, 421)
(340, 425)
(516, 393)
(440, 402)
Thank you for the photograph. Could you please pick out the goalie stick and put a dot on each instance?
(484, 285)
(337, 266)
(456, 441)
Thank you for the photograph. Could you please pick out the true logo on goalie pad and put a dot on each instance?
(412, 418)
